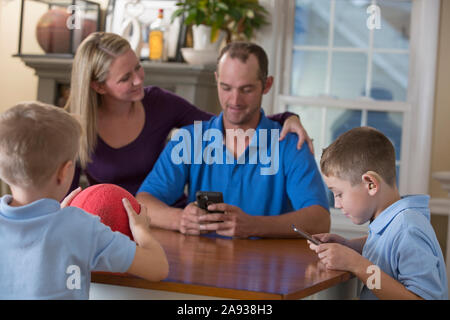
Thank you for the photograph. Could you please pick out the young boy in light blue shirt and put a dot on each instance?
(401, 257)
(47, 250)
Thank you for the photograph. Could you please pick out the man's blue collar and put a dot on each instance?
(218, 121)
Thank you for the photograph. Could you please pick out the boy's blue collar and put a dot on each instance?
(419, 202)
(32, 210)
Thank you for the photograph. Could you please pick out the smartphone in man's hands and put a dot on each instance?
(205, 198)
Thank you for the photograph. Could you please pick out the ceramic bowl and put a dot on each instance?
(204, 57)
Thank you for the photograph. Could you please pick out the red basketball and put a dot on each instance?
(105, 201)
(52, 33)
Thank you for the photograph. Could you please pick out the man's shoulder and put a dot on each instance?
(267, 123)
(272, 126)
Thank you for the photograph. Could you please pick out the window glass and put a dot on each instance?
(311, 22)
(349, 16)
(309, 71)
(348, 75)
(395, 24)
(390, 76)
(354, 63)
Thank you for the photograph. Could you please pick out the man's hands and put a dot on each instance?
(189, 220)
(233, 222)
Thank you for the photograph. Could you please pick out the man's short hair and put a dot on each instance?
(242, 50)
(357, 151)
(35, 139)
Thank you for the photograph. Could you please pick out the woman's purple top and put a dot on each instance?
(129, 165)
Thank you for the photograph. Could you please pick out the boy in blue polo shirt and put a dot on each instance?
(401, 257)
(47, 250)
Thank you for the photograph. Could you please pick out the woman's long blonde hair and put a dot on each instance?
(91, 63)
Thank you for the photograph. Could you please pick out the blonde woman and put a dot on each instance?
(126, 124)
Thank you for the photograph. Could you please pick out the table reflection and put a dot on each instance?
(262, 265)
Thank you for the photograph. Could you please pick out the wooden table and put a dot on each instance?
(236, 268)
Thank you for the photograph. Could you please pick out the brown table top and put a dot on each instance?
(236, 268)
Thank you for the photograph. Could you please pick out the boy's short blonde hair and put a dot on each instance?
(35, 139)
(357, 151)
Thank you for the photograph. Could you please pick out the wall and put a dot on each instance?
(440, 157)
(440, 152)
(18, 82)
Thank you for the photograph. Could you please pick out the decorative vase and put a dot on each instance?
(201, 35)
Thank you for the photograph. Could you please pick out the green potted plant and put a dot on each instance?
(237, 18)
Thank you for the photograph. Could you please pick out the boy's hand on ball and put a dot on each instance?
(67, 200)
(138, 222)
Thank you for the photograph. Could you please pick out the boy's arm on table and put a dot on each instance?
(150, 261)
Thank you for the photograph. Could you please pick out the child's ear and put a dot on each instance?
(371, 182)
(63, 171)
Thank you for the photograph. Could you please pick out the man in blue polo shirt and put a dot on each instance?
(267, 184)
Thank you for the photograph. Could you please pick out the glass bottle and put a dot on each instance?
(156, 43)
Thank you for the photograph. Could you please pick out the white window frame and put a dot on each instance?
(418, 108)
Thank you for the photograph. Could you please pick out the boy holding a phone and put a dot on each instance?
(359, 168)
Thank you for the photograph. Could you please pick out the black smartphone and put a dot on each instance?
(205, 198)
(306, 235)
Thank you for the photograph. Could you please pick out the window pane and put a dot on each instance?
(311, 119)
(350, 28)
(395, 25)
(390, 123)
(348, 77)
(309, 69)
(311, 22)
(390, 76)
(340, 121)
